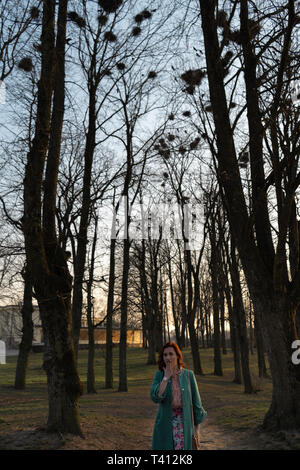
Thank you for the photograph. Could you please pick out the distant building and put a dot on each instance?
(11, 325)
(11, 330)
(134, 336)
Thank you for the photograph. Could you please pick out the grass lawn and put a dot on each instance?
(123, 420)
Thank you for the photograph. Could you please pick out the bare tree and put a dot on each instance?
(275, 297)
(46, 261)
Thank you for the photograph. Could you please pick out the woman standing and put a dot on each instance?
(171, 388)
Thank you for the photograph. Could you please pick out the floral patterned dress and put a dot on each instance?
(177, 415)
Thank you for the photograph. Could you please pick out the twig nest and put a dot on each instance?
(225, 60)
(110, 36)
(34, 12)
(190, 89)
(186, 113)
(26, 64)
(165, 153)
(228, 55)
(221, 18)
(152, 74)
(235, 36)
(195, 143)
(138, 18)
(136, 31)
(146, 14)
(254, 27)
(110, 6)
(193, 77)
(120, 66)
(75, 18)
(171, 117)
(102, 19)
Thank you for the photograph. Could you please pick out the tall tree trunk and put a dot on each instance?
(80, 258)
(109, 311)
(90, 385)
(193, 300)
(235, 342)
(222, 319)
(262, 369)
(175, 320)
(149, 320)
(157, 313)
(46, 261)
(151, 351)
(144, 328)
(240, 316)
(275, 300)
(27, 333)
(215, 295)
(64, 387)
(250, 329)
(123, 332)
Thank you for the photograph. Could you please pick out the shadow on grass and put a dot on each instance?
(33, 439)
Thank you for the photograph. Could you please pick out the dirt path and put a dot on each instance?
(112, 421)
(213, 437)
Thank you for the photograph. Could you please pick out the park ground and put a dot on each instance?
(113, 420)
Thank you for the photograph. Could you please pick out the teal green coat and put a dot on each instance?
(162, 433)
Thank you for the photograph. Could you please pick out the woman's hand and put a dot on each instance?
(168, 371)
(197, 431)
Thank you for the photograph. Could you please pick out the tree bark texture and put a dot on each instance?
(274, 297)
(27, 334)
(46, 261)
(91, 386)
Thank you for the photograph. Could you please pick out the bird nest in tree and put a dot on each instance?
(34, 12)
(221, 18)
(120, 66)
(193, 77)
(152, 74)
(110, 6)
(102, 19)
(25, 64)
(195, 143)
(75, 18)
(136, 31)
(110, 36)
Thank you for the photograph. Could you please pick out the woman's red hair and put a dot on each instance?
(170, 344)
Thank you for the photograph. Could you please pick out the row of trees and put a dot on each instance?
(109, 112)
